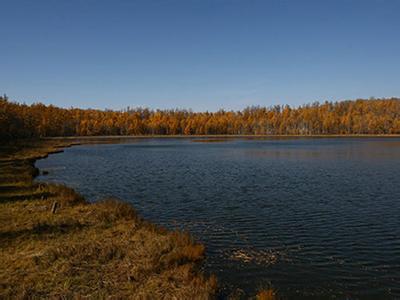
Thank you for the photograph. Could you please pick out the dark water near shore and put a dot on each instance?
(314, 218)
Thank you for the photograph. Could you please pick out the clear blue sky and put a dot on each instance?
(198, 54)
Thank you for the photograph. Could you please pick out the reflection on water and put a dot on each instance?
(315, 218)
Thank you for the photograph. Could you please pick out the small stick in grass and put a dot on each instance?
(54, 207)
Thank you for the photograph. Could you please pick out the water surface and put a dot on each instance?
(314, 218)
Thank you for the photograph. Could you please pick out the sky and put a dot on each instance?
(198, 54)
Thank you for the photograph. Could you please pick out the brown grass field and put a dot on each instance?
(53, 244)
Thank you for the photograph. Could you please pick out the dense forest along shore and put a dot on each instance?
(357, 117)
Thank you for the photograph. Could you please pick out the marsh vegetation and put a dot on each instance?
(54, 244)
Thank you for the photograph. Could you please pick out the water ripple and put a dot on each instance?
(316, 218)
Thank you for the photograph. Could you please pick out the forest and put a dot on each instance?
(362, 116)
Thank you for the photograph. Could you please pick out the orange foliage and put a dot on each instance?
(373, 116)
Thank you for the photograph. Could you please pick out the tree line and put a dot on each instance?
(362, 116)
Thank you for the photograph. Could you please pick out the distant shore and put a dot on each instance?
(94, 137)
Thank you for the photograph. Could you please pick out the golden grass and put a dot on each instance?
(268, 294)
(96, 250)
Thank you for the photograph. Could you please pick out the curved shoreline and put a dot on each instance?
(66, 246)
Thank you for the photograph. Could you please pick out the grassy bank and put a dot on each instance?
(55, 244)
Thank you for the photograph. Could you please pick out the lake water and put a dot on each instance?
(313, 218)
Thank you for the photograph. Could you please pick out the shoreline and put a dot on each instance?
(52, 233)
(227, 136)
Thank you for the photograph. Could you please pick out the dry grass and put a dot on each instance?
(268, 294)
(85, 250)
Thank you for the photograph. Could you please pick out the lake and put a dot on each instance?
(311, 217)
